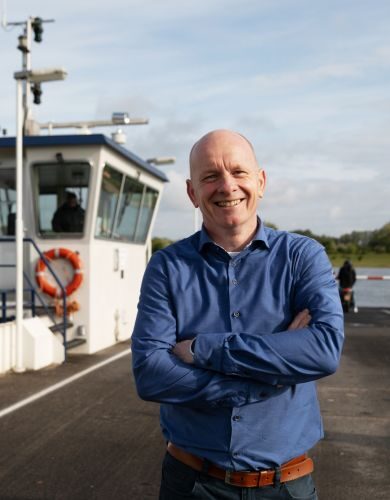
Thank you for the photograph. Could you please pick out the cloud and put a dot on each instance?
(325, 207)
(306, 81)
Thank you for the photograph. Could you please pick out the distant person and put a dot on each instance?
(347, 278)
(235, 323)
(69, 217)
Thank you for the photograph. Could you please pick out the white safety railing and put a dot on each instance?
(368, 277)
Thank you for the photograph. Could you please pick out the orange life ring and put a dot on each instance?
(59, 253)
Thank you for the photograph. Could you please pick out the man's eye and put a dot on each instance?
(210, 177)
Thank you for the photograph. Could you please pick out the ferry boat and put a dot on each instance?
(89, 205)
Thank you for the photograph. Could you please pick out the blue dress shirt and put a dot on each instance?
(249, 402)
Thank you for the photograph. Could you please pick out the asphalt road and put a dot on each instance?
(353, 461)
(94, 439)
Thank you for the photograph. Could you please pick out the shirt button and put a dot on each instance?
(236, 418)
(233, 263)
(236, 314)
(235, 282)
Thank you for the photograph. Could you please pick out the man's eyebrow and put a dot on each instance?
(209, 171)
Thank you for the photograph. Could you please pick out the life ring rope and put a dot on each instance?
(59, 253)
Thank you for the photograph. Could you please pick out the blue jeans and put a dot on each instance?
(180, 482)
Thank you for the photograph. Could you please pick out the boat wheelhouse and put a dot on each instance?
(81, 276)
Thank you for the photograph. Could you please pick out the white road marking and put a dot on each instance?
(59, 385)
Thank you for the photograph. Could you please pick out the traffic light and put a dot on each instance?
(37, 28)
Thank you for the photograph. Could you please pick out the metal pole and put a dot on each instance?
(196, 220)
(27, 67)
(19, 227)
(27, 62)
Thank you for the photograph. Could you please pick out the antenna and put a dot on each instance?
(4, 15)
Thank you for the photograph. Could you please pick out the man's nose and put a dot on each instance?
(227, 184)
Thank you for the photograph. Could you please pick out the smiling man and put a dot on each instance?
(226, 184)
(234, 325)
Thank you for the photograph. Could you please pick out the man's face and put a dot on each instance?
(72, 202)
(226, 182)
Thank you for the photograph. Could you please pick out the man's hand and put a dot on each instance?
(301, 320)
(183, 352)
(182, 349)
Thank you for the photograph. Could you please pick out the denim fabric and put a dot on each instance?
(180, 482)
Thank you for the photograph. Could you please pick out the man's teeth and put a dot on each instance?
(232, 203)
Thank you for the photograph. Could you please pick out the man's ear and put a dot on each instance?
(262, 182)
(191, 193)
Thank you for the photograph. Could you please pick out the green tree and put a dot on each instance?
(160, 243)
(270, 224)
(380, 240)
(360, 238)
(305, 232)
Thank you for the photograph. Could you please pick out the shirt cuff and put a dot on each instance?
(192, 347)
(209, 351)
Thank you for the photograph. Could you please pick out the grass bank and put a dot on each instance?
(369, 259)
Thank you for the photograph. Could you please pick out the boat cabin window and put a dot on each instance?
(7, 201)
(126, 207)
(129, 209)
(109, 196)
(62, 196)
(146, 214)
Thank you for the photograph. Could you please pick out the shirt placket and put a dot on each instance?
(236, 326)
(234, 283)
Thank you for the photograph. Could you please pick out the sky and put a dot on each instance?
(307, 82)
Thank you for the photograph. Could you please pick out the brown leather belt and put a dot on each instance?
(293, 469)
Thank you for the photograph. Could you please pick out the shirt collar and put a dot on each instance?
(260, 236)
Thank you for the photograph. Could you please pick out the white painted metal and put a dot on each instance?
(41, 347)
(92, 123)
(113, 270)
(7, 346)
(370, 277)
(196, 220)
(19, 227)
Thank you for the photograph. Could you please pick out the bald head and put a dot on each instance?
(218, 140)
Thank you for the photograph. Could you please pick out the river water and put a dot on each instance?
(372, 293)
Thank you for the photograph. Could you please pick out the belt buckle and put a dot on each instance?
(228, 477)
(264, 478)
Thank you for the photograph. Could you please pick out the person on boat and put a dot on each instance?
(234, 325)
(69, 217)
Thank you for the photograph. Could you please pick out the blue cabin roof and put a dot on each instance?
(82, 140)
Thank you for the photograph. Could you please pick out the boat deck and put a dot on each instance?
(92, 438)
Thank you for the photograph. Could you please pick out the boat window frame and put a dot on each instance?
(112, 237)
(36, 194)
(10, 202)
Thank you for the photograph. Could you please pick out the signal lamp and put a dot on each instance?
(37, 92)
(37, 28)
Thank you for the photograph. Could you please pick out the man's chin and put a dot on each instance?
(232, 223)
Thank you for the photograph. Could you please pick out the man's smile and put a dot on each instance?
(229, 203)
